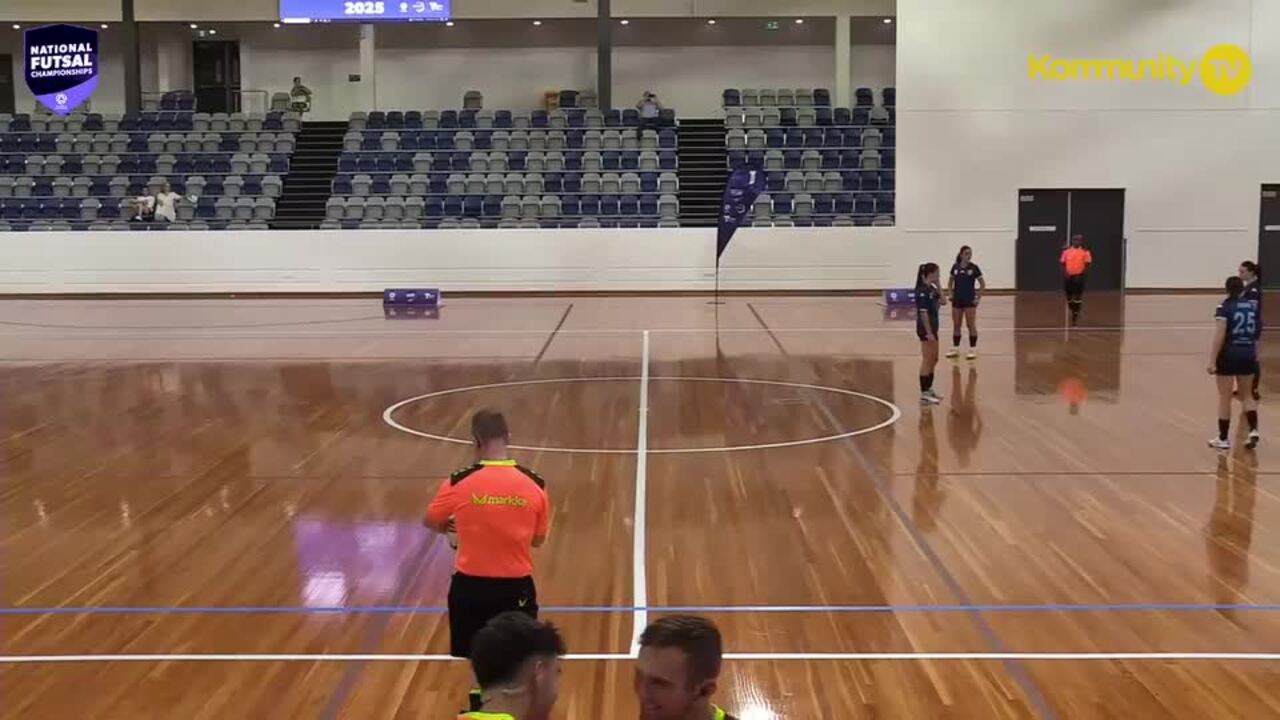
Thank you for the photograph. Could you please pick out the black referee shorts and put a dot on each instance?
(474, 601)
(1073, 285)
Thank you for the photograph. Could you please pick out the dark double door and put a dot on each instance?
(1047, 218)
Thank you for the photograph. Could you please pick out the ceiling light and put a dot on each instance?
(104, 26)
(625, 22)
(16, 26)
(888, 21)
(537, 22)
(711, 21)
(194, 26)
(449, 24)
(799, 21)
(213, 32)
(275, 25)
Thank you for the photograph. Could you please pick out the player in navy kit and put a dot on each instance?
(1234, 360)
(965, 285)
(1251, 274)
(928, 300)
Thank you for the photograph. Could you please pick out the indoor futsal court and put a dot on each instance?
(212, 508)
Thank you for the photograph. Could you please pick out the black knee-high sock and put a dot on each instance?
(973, 339)
(1224, 428)
(955, 340)
(1252, 417)
(924, 383)
(928, 382)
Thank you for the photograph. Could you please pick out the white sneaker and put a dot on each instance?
(953, 353)
(973, 355)
(929, 397)
(1219, 444)
(1254, 438)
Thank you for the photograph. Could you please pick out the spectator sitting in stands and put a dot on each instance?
(165, 204)
(142, 208)
(299, 96)
(650, 113)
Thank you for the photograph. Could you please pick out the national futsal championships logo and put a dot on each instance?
(1223, 69)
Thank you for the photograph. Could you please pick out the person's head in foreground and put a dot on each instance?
(677, 669)
(489, 432)
(1249, 272)
(1077, 240)
(516, 661)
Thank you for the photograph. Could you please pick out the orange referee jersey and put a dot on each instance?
(499, 507)
(1075, 260)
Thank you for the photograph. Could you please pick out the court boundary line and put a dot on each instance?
(608, 609)
(895, 413)
(741, 656)
(640, 511)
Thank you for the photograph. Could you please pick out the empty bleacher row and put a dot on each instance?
(561, 119)
(475, 168)
(824, 165)
(148, 122)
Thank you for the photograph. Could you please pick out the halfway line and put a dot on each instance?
(639, 576)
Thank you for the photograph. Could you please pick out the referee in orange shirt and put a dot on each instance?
(499, 511)
(1075, 265)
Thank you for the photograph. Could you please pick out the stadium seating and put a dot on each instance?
(823, 165)
(571, 167)
(80, 171)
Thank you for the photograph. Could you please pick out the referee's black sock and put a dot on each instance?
(928, 382)
(476, 701)
(1252, 417)
(924, 383)
(973, 340)
(955, 341)
(1224, 428)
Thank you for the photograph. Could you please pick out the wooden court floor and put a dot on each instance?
(206, 513)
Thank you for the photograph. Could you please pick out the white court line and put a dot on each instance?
(763, 656)
(639, 574)
(388, 415)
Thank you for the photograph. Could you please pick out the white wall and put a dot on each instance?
(973, 128)
(338, 261)
(414, 77)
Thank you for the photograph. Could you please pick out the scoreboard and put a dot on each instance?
(324, 11)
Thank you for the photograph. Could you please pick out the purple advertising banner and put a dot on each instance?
(61, 65)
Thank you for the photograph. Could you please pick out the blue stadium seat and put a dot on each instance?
(886, 180)
(788, 115)
(830, 159)
(608, 205)
(569, 206)
(860, 116)
(473, 206)
(869, 180)
(775, 181)
(553, 183)
(731, 98)
(572, 183)
(395, 120)
(889, 96)
(381, 185)
(612, 118)
(794, 138)
(791, 159)
(590, 205)
(413, 120)
(574, 139)
(648, 205)
(863, 97)
(452, 206)
(346, 163)
(821, 97)
(630, 117)
(408, 141)
(434, 207)
(629, 205)
(775, 138)
(493, 206)
(502, 119)
(649, 182)
(813, 137)
(783, 204)
(864, 204)
(824, 204)
(888, 159)
(466, 119)
(884, 204)
(668, 160)
(376, 120)
(449, 119)
(538, 119)
(438, 184)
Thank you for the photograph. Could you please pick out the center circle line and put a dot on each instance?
(388, 415)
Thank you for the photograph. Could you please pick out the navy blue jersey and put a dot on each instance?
(1253, 291)
(964, 283)
(928, 298)
(1241, 316)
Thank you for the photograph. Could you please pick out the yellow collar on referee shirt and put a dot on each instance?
(498, 463)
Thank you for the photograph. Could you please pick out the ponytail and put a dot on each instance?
(961, 253)
(924, 270)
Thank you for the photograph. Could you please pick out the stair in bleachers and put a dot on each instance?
(311, 172)
(703, 164)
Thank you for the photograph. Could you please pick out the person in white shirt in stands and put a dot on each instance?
(166, 204)
(650, 113)
(142, 208)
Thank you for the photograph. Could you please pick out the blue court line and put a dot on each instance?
(695, 609)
